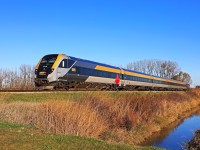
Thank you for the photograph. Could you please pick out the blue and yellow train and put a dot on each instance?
(62, 71)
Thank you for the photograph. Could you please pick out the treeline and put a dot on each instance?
(21, 78)
(161, 68)
(164, 69)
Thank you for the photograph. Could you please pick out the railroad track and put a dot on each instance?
(3, 91)
(41, 91)
(46, 91)
(69, 91)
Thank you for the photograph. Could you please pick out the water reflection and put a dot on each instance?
(177, 134)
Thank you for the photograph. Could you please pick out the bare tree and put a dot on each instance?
(145, 66)
(1, 79)
(22, 78)
(26, 76)
(184, 77)
(165, 69)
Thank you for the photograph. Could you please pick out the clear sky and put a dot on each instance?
(110, 31)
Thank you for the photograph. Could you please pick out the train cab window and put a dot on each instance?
(51, 61)
(44, 61)
(47, 61)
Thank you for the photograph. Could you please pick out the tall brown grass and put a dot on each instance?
(58, 117)
(128, 117)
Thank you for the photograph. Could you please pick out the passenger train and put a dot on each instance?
(57, 71)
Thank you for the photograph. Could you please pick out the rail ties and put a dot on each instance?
(69, 91)
(42, 91)
(25, 91)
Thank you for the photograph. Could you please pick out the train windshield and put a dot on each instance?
(48, 61)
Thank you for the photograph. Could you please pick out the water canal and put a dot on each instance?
(177, 134)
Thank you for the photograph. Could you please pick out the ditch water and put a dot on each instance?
(176, 135)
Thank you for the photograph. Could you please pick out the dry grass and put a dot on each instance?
(125, 117)
(58, 117)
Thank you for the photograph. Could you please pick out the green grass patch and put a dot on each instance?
(15, 136)
(75, 96)
(40, 97)
(6, 125)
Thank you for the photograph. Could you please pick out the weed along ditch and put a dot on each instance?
(127, 118)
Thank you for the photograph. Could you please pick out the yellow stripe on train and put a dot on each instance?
(38, 64)
(60, 56)
(138, 75)
(108, 69)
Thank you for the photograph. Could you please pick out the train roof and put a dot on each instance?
(96, 63)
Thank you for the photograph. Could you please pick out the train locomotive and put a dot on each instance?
(60, 71)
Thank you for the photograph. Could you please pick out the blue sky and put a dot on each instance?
(110, 31)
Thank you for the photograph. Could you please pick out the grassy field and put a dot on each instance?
(15, 136)
(114, 117)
